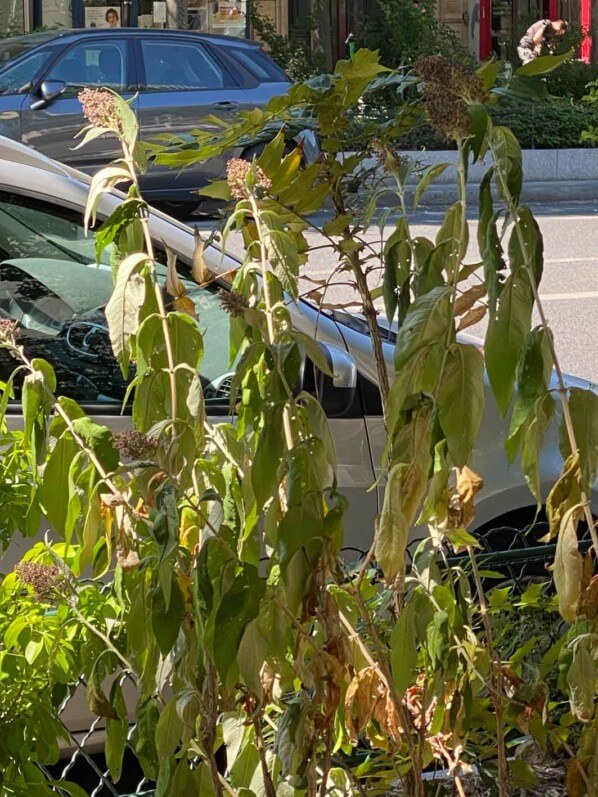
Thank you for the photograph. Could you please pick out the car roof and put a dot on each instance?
(16, 152)
(72, 34)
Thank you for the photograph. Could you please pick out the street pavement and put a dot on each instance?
(569, 287)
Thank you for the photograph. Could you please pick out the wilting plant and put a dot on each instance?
(231, 607)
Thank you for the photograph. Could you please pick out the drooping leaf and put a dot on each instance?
(461, 400)
(568, 565)
(583, 406)
(404, 492)
(533, 376)
(123, 307)
(531, 442)
(427, 322)
(116, 732)
(581, 680)
(403, 648)
(453, 235)
(168, 730)
(427, 177)
(489, 242)
(238, 607)
(167, 617)
(397, 269)
(507, 331)
(507, 155)
(526, 245)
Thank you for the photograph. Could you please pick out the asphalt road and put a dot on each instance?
(569, 287)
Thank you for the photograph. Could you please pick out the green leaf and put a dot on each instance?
(404, 492)
(123, 307)
(544, 64)
(507, 331)
(268, 456)
(403, 648)
(167, 618)
(166, 533)
(453, 235)
(427, 177)
(116, 732)
(568, 565)
(489, 242)
(55, 484)
(238, 607)
(148, 715)
(461, 400)
(397, 269)
(581, 680)
(532, 439)
(488, 72)
(508, 162)
(99, 440)
(314, 351)
(533, 377)
(122, 216)
(529, 250)
(427, 321)
(522, 774)
(219, 189)
(168, 730)
(583, 405)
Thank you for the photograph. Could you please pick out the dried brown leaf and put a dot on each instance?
(472, 317)
(467, 300)
(199, 271)
(174, 286)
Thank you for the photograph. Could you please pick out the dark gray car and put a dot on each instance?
(176, 79)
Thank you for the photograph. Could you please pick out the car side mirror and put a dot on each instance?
(48, 92)
(335, 393)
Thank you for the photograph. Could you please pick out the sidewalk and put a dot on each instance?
(548, 175)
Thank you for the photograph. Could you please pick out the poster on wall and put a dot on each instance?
(102, 17)
(229, 14)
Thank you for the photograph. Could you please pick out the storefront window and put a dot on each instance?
(12, 17)
(225, 17)
(57, 14)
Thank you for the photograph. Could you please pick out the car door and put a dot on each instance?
(16, 79)
(93, 61)
(182, 82)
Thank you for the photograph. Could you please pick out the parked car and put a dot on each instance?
(50, 284)
(176, 79)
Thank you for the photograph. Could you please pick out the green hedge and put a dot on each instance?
(548, 124)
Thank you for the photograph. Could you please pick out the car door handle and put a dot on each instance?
(226, 106)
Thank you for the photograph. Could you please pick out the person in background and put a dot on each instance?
(112, 18)
(544, 30)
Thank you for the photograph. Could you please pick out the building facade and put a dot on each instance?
(484, 26)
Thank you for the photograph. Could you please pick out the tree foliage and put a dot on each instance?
(229, 603)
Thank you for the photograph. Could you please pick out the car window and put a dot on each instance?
(180, 66)
(51, 286)
(260, 65)
(18, 77)
(94, 63)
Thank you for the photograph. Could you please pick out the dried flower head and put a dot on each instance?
(100, 108)
(43, 579)
(387, 154)
(237, 173)
(135, 445)
(233, 302)
(449, 88)
(8, 332)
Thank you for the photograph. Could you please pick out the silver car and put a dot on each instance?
(175, 79)
(50, 285)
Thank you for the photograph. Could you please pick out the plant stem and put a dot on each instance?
(259, 741)
(497, 693)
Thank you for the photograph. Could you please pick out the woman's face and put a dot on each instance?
(112, 19)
